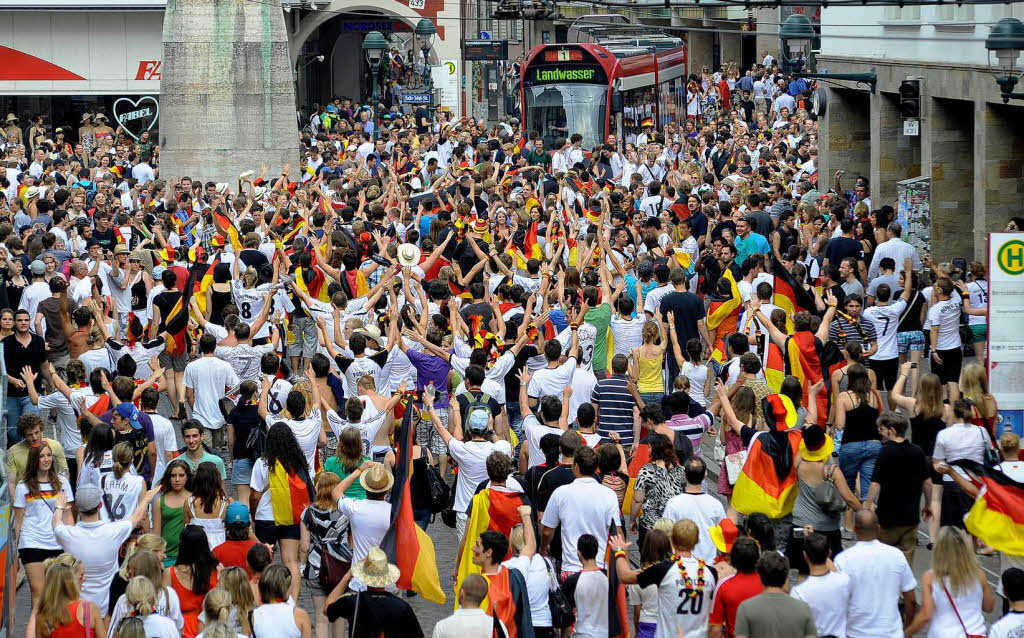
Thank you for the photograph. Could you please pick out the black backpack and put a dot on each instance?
(440, 493)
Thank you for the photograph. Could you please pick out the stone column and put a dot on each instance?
(998, 169)
(227, 95)
(844, 138)
(898, 155)
(951, 131)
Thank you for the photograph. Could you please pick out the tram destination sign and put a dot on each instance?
(565, 74)
(493, 50)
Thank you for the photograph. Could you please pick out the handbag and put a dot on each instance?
(562, 615)
(827, 495)
(439, 490)
(335, 558)
(734, 465)
(962, 625)
(990, 456)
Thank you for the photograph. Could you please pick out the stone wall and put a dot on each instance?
(844, 137)
(1001, 170)
(898, 155)
(951, 132)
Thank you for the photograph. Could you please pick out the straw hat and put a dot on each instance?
(815, 445)
(377, 479)
(375, 570)
(11, 117)
(408, 254)
(370, 332)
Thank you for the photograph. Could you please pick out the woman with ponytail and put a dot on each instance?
(141, 598)
(122, 488)
(146, 558)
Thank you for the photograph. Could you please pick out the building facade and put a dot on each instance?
(969, 143)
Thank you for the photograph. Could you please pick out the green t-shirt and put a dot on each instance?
(335, 466)
(600, 318)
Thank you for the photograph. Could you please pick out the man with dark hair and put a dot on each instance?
(614, 398)
(21, 349)
(733, 591)
(827, 592)
(584, 506)
(206, 380)
(195, 453)
(774, 612)
(232, 552)
(587, 591)
(688, 313)
(851, 326)
(1011, 625)
(698, 506)
(513, 609)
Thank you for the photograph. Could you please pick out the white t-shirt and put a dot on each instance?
(829, 599)
(370, 520)
(158, 626)
(209, 377)
(591, 597)
(37, 527)
(307, 433)
(67, 425)
(535, 572)
(276, 398)
(259, 482)
(979, 299)
(647, 598)
(250, 305)
(879, 574)
(551, 381)
(1013, 469)
(1009, 626)
(703, 509)
(120, 495)
(960, 441)
(97, 544)
(886, 320)
(164, 437)
(587, 335)
(946, 315)
(535, 431)
(167, 604)
(679, 616)
(581, 507)
(628, 333)
(472, 459)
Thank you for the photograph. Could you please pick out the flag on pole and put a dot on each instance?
(406, 545)
(997, 516)
(227, 228)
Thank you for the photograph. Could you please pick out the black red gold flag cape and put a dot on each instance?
(997, 516)
(493, 510)
(176, 322)
(618, 610)
(406, 545)
(767, 483)
(723, 316)
(507, 600)
(789, 294)
(641, 457)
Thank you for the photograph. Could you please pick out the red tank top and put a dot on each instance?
(73, 629)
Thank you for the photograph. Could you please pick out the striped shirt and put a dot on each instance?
(616, 403)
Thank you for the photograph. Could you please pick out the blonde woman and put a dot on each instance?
(956, 594)
(322, 522)
(649, 359)
(129, 627)
(122, 488)
(974, 386)
(141, 597)
(219, 629)
(218, 606)
(61, 612)
(929, 415)
(241, 599)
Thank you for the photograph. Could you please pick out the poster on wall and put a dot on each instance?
(1005, 317)
(914, 212)
(446, 83)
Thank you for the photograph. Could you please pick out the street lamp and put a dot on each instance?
(796, 34)
(425, 31)
(1005, 42)
(374, 46)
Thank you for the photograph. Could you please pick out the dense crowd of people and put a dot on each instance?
(572, 337)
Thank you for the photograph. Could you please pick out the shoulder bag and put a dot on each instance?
(562, 615)
(335, 556)
(962, 625)
(827, 495)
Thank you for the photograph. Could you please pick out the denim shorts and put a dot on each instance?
(910, 341)
(241, 471)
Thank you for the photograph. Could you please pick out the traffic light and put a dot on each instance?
(910, 99)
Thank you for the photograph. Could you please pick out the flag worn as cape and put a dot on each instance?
(313, 282)
(177, 319)
(641, 457)
(997, 516)
(508, 600)
(492, 510)
(618, 610)
(774, 364)
(531, 249)
(789, 294)
(406, 545)
(227, 228)
(204, 282)
(723, 316)
(290, 494)
(101, 406)
(767, 482)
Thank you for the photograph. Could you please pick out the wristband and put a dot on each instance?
(574, 326)
(620, 553)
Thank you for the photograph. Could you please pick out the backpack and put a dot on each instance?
(476, 403)
(439, 490)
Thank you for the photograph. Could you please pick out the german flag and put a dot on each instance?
(774, 363)
(508, 601)
(641, 457)
(789, 295)
(723, 316)
(768, 483)
(492, 510)
(294, 232)
(101, 406)
(313, 282)
(618, 610)
(203, 283)
(291, 492)
(592, 216)
(997, 516)
(177, 319)
(406, 545)
(531, 249)
(227, 228)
